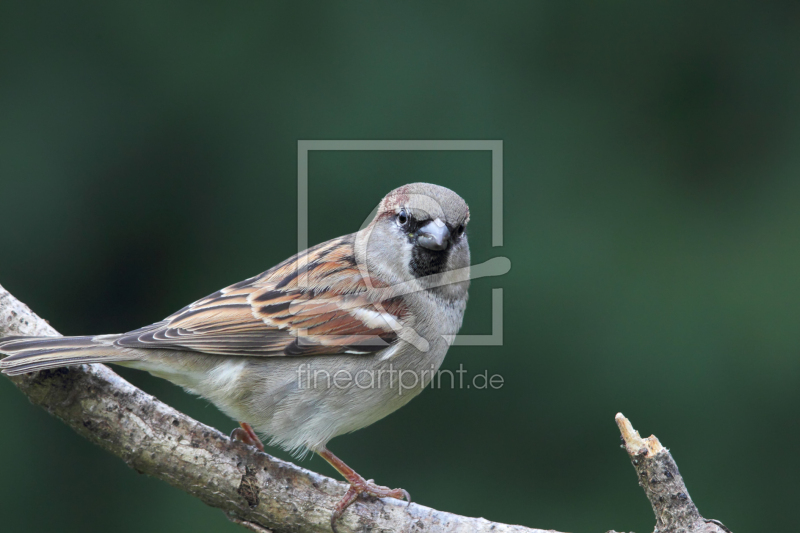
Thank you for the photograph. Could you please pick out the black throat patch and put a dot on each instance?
(426, 262)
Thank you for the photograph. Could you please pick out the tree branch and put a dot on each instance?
(663, 485)
(256, 490)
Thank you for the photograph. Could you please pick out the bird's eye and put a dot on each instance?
(402, 218)
(460, 230)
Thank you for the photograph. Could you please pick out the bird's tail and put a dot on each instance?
(29, 354)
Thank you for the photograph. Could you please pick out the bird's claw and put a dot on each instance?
(247, 435)
(361, 488)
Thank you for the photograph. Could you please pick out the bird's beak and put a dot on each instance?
(434, 235)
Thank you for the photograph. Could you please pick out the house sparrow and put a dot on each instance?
(325, 343)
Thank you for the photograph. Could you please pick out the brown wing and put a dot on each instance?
(333, 311)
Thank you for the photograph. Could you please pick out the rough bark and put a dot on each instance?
(256, 490)
(663, 484)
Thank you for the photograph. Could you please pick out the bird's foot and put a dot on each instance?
(358, 487)
(247, 435)
(362, 488)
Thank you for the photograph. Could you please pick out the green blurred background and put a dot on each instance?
(148, 156)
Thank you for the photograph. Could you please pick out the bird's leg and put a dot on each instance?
(358, 486)
(247, 435)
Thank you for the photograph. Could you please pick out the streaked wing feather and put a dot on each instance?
(273, 315)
